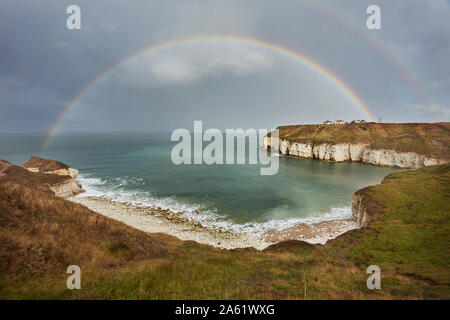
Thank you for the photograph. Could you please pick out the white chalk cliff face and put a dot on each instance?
(68, 188)
(359, 210)
(351, 152)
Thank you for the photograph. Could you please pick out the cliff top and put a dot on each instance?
(409, 216)
(431, 139)
(44, 164)
(17, 174)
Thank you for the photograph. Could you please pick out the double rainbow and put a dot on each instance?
(309, 63)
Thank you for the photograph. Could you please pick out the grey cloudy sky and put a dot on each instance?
(401, 72)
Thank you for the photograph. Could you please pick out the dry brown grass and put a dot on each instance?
(40, 232)
(36, 180)
(44, 164)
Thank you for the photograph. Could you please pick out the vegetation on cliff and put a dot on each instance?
(430, 139)
(44, 165)
(42, 234)
(35, 180)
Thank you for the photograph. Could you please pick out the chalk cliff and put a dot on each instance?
(68, 188)
(364, 208)
(395, 145)
(353, 152)
(64, 183)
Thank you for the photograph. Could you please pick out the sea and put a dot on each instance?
(136, 168)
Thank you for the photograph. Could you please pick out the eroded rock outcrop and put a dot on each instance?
(365, 208)
(352, 152)
(68, 188)
(359, 208)
(66, 185)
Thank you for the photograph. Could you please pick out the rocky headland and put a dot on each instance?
(37, 164)
(408, 145)
(45, 174)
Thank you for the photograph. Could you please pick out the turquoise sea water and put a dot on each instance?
(137, 168)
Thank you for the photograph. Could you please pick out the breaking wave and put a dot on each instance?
(114, 189)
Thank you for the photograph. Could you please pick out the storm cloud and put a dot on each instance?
(401, 72)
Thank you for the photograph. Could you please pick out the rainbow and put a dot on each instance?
(311, 64)
(330, 10)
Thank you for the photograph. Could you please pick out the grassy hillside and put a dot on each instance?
(36, 180)
(431, 139)
(41, 235)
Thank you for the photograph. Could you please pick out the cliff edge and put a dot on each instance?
(402, 145)
(46, 175)
(37, 164)
(364, 207)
